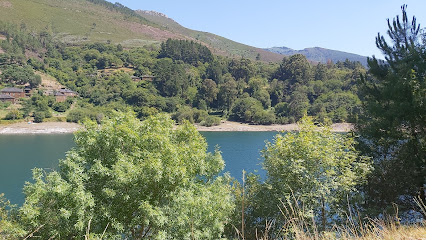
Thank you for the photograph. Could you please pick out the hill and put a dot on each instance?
(88, 21)
(219, 45)
(322, 55)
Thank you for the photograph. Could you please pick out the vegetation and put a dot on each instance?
(134, 179)
(185, 75)
(134, 174)
(393, 120)
(314, 170)
(106, 22)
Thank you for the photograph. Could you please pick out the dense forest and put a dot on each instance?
(134, 174)
(187, 80)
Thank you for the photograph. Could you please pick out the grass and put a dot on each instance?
(75, 21)
(79, 21)
(298, 228)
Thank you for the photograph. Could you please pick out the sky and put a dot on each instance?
(344, 25)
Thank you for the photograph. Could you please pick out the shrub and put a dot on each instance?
(210, 121)
(61, 106)
(39, 116)
(79, 114)
(13, 115)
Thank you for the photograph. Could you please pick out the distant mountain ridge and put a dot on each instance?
(322, 55)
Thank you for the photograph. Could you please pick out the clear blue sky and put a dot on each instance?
(343, 25)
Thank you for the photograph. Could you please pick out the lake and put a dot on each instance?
(21, 153)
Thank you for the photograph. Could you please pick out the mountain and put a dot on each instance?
(322, 55)
(85, 21)
(219, 45)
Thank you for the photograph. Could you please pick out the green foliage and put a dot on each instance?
(208, 91)
(393, 116)
(184, 74)
(187, 51)
(61, 106)
(85, 111)
(39, 116)
(318, 168)
(14, 74)
(241, 69)
(338, 107)
(295, 69)
(194, 115)
(5, 105)
(13, 115)
(141, 179)
(9, 223)
(210, 121)
(39, 105)
(250, 110)
(170, 78)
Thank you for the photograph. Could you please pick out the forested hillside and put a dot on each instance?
(181, 77)
(134, 174)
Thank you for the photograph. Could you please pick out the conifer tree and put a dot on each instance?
(393, 122)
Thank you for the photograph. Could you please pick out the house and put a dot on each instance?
(60, 97)
(6, 98)
(27, 91)
(148, 77)
(67, 92)
(135, 79)
(14, 92)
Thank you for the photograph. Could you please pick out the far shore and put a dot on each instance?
(225, 126)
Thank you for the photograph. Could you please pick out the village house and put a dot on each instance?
(60, 97)
(14, 92)
(6, 98)
(67, 92)
(135, 79)
(148, 77)
(27, 91)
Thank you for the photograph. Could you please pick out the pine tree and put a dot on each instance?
(393, 122)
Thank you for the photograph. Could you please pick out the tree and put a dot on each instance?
(315, 166)
(208, 91)
(170, 78)
(248, 109)
(393, 95)
(20, 75)
(228, 92)
(138, 180)
(296, 70)
(9, 224)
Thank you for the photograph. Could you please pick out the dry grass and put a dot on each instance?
(48, 82)
(298, 228)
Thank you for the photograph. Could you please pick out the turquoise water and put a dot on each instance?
(21, 153)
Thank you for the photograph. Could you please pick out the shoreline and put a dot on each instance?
(39, 128)
(225, 126)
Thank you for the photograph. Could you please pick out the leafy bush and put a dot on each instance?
(264, 117)
(4, 105)
(61, 106)
(210, 121)
(250, 110)
(79, 114)
(39, 116)
(126, 173)
(13, 115)
(192, 115)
